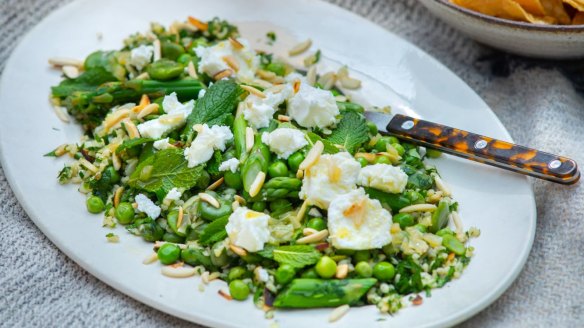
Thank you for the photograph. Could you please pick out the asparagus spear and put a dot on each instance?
(312, 293)
(257, 161)
(281, 187)
(239, 126)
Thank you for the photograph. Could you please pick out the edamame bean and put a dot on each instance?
(124, 213)
(233, 180)
(171, 50)
(445, 231)
(94, 205)
(284, 274)
(384, 271)
(454, 245)
(278, 169)
(326, 267)
(363, 269)
(168, 253)
(164, 69)
(294, 161)
(316, 224)
(404, 219)
(239, 290)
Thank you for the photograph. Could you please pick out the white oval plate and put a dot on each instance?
(499, 203)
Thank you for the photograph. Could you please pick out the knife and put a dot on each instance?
(478, 148)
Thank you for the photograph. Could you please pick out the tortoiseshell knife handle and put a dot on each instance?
(486, 150)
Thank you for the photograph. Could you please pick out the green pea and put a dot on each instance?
(362, 161)
(233, 180)
(421, 228)
(94, 205)
(382, 160)
(168, 253)
(404, 220)
(294, 161)
(310, 273)
(259, 206)
(381, 144)
(239, 290)
(278, 169)
(171, 50)
(454, 245)
(363, 269)
(284, 274)
(114, 176)
(164, 69)
(124, 213)
(362, 255)
(444, 231)
(236, 273)
(316, 224)
(173, 238)
(384, 271)
(399, 148)
(372, 128)
(276, 67)
(326, 267)
(184, 59)
(433, 153)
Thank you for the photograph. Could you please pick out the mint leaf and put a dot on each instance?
(267, 252)
(87, 81)
(351, 131)
(168, 170)
(329, 147)
(215, 107)
(131, 143)
(297, 256)
(214, 232)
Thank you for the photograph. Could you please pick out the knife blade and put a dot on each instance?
(478, 148)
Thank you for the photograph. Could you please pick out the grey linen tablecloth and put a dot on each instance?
(40, 286)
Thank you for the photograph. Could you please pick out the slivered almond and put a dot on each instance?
(262, 83)
(216, 184)
(257, 184)
(231, 62)
(147, 110)
(369, 157)
(198, 24)
(339, 312)
(309, 231)
(313, 156)
(328, 80)
(342, 271)
(266, 75)
(61, 113)
(300, 48)
(170, 118)
(314, 238)
(192, 71)
(131, 128)
(238, 250)
(143, 76)
(457, 222)
(253, 91)
(350, 83)
(222, 74)
(159, 244)
(302, 211)
(181, 272)
(225, 295)
(300, 174)
(115, 118)
(61, 150)
(283, 118)
(441, 185)
(198, 128)
(63, 61)
(235, 43)
(209, 199)
(181, 214)
(341, 98)
(249, 139)
(239, 199)
(157, 50)
(311, 76)
(235, 205)
(85, 163)
(118, 196)
(150, 258)
(144, 100)
(276, 88)
(418, 208)
(71, 72)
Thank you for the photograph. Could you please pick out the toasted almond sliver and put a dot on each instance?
(61, 113)
(266, 75)
(300, 174)
(339, 312)
(342, 271)
(369, 157)
(300, 48)
(157, 50)
(253, 91)
(147, 110)
(311, 75)
(198, 24)
(442, 186)
(159, 244)
(225, 294)
(88, 165)
(222, 74)
(283, 118)
(115, 118)
(313, 156)
(144, 100)
(350, 83)
(181, 214)
(235, 43)
(63, 61)
(192, 71)
(235, 205)
(209, 199)
(131, 129)
(309, 231)
(328, 80)
(116, 161)
(238, 250)
(153, 257)
(71, 72)
(240, 199)
(216, 184)
(457, 222)
(249, 139)
(231, 62)
(314, 238)
(302, 211)
(418, 208)
(143, 76)
(276, 88)
(257, 184)
(180, 272)
(198, 128)
(118, 196)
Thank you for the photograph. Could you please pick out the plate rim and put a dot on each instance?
(202, 318)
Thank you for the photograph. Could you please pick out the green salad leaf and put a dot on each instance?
(87, 81)
(297, 256)
(329, 147)
(351, 131)
(164, 170)
(214, 232)
(131, 143)
(215, 107)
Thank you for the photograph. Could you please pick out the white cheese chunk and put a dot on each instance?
(229, 165)
(147, 206)
(331, 176)
(208, 139)
(141, 56)
(357, 222)
(259, 111)
(176, 116)
(284, 141)
(384, 177)
(213, 59)
(173, 194)
(161, 144)
(312, 107)
(248, 229)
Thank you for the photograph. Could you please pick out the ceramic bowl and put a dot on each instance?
(526, 39)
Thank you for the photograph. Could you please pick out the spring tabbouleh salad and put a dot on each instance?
(238, 166)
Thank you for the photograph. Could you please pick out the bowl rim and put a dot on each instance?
(512, 23)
